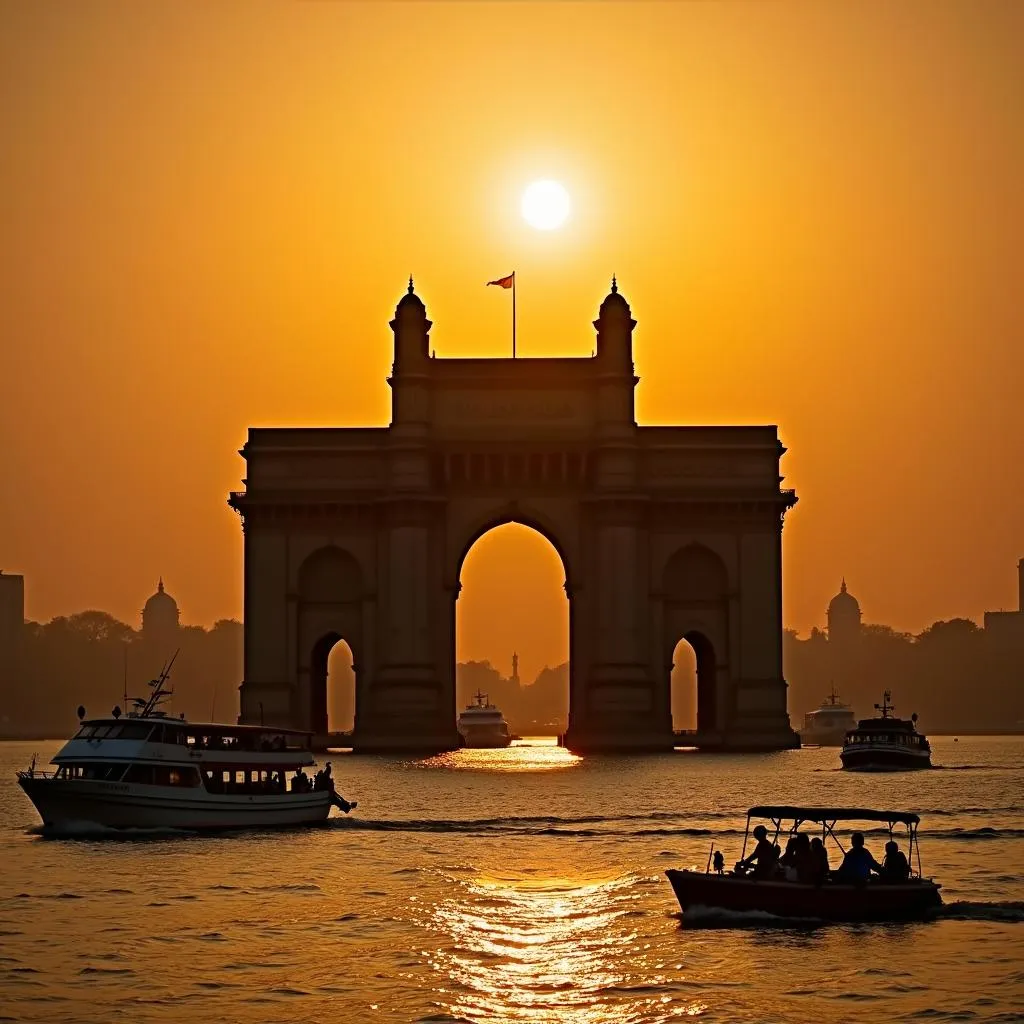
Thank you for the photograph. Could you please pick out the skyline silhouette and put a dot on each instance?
(830, 244)
(82, 658)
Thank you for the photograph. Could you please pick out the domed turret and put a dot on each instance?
(160, 616)
(614, 326)
(614, 300)
(412, 329)
(843, 616)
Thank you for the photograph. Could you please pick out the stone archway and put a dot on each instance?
(329, 609)
(695, 591)
(695, 648)
(560, 608)
(664, 532)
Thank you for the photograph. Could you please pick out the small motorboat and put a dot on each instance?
(886, 743)
(877, 900)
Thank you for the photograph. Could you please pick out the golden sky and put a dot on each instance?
(210, 209)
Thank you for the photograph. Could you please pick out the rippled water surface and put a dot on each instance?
(515, 885)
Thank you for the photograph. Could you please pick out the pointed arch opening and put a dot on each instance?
(694, 686)
(512, 626)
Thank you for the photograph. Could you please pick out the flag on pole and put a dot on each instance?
(509, 282)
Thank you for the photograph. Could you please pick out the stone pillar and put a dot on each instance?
(408, 704)
(760, 720)
(620, 706)
(622, 711)
(266, 693)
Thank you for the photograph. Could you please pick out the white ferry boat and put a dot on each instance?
(828, 725)
(481, 724)
(886, 744)
(149, 770)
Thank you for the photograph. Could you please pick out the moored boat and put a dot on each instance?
(886, 743)
(828, 724)
(149, 770)
(482, 725)
(833, 899)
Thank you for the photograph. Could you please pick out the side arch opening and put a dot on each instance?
(330, 620)
(694, 685)
(332, 685)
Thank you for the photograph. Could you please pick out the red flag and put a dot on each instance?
(504, 282)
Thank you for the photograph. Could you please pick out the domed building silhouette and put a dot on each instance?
(160, 620)
(844, 618)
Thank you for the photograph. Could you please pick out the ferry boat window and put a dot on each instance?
(168, 734)
(134, 731)
(175, 776)
(103, 772)
(142, 773)
(85, 732)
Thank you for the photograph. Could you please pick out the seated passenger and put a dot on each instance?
(895, 867)
(788, 860)
(819, 862)
(803, 859)
(857, 863)
(765, 853)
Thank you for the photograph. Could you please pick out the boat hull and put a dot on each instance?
(918, 899)
(823, 737)
(64, 804)
(878, 759)
(486, 743)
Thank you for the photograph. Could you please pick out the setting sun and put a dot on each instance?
(545, 205)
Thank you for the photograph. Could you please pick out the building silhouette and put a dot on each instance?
(664, 532)
(844, 618)
(1005, 630)
(161, 623)
(12, 626)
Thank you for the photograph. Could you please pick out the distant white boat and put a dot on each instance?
(828, 725)
(149, 770)
(482, 725)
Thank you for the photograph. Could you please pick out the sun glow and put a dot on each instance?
(545, 205)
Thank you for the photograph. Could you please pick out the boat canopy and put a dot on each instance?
(824, 814)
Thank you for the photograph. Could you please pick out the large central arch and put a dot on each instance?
(479, 526)
(665, 533)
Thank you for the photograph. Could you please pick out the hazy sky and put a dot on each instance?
(210, 209)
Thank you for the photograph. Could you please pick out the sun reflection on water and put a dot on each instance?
(560, 949)
(538, 754)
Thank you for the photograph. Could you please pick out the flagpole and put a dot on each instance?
(513, 314)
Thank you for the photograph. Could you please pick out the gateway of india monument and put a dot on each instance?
(665, 533)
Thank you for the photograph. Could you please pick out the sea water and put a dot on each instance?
(512, 885)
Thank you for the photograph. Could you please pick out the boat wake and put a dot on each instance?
(612, 828)
(1000, 912)
(91, 830)
(968, 910)
(718, 917)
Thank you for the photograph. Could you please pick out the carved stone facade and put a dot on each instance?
(664, 532)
